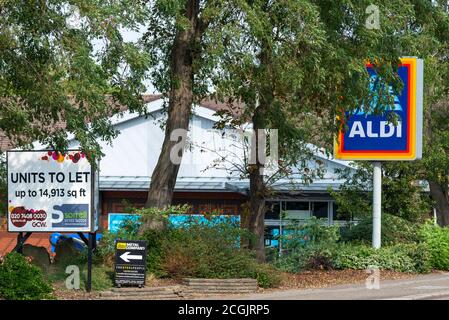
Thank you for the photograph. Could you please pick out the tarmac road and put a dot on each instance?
(424, 287)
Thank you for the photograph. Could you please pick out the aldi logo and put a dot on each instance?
(374, 137)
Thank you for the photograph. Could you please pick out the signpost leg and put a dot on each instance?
(377, 202)
(19, 245)
(20, 241)
(89, 263)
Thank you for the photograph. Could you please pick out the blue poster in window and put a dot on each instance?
(116, 220)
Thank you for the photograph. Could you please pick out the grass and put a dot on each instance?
(102, 277)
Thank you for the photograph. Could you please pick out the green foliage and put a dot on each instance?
(314, 231)
(155, 251)
(105, 251)
(435, 162)
(393, 230)
(308, 257)
(167, 19)
(129, 229)
(325, 251)
(3, 185)
(307, 246)
(102, 275)
(19, 280)
(437, 240)
(401, 257)
(193, 249)
(402, 196)
(156, 218)
(204, 251)
(158, 212)
(51, 72)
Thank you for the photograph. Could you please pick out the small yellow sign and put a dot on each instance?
(121, 245)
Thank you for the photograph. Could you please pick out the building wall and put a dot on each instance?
(228, 203)
(135, 151)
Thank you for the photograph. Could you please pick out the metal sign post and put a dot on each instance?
(377, 204)
(89, 262)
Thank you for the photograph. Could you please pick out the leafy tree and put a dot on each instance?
(179, 40)
(66, 63)
(428, 29)
(3, 186)
(291, 60)
(435, 164)
(402, 194)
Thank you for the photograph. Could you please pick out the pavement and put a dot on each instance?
(433, 286)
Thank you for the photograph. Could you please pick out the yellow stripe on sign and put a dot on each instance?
(121, 245)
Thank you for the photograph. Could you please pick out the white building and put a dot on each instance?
(127, 165)
(126, 169)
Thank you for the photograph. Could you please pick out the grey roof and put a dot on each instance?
(136, 183)
(143, 183)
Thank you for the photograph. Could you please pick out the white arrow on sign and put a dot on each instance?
(128, 256)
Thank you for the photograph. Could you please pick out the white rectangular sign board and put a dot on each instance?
(49, 191)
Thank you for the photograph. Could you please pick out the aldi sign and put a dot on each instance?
(374, 137)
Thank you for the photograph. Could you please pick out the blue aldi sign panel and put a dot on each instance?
(374, 137)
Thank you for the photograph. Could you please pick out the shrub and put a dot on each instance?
(314, 231)
(105, 251)
(205, 251)
(193, 249)
(19, 280)
(400, 195)
(155, 252)
(394, 230)
(157, 219)
(309, 257)
(266, 275)
(322, 250)
(401, 257)
(436, 239)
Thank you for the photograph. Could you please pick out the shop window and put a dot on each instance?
(271, 237)
(334, 211)
(297, 210)
(273, 210)
(337, 216)
(297, 205)
(320, 210)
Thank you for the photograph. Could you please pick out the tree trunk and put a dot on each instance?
(257, 190)
(440, 195)
(256, 219)
(165, 173)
